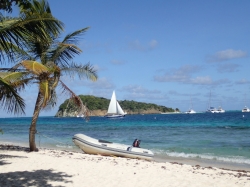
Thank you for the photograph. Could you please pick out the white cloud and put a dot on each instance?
(139, 93)
(227, 55)
(182, 74)
(202, 80)
(228, 68)
(137, 45)
(139, 89)
(243, 81)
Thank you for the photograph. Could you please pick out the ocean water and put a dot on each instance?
(222, 138)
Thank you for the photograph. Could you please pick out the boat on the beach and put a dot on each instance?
(114, 110)
(102, 147)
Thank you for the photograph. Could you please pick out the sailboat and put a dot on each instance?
(211, 109)
(190, 111)
(114, 110)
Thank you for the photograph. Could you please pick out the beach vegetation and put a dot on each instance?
(46, 60)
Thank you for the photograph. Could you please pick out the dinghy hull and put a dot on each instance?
(100, 147)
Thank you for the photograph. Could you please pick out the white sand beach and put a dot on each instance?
(63, 168)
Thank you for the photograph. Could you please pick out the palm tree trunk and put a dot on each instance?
(32, 138)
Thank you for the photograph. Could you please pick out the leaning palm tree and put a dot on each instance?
(35, 20)
(44, 58)
(47, 65)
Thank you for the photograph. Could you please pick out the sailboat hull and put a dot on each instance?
(115, 116)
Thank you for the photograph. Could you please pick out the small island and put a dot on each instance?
(98, 106)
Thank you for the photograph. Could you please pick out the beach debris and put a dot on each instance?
(163, 167)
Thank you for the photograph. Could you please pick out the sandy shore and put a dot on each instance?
(18, 167)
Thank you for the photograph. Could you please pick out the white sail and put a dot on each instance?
(119, 109)
(115, 109)
(112, 105)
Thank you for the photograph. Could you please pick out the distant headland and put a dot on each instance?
(98, 106)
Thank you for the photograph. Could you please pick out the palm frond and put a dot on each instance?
(10, 99)
(76, 99)
(45, 92)
(67, 49)
(12, 76)
(86, 71)
(52, 101)
(73, 38)
(35, 67)
(63, 53)
(37, 21)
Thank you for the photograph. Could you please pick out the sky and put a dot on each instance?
(174, 53)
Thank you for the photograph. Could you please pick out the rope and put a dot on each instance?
(51, 139)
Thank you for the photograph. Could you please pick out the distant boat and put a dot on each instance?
(190, 111)
(80, 115)
(220, 110)
(114, 110)
(245, 109)
(212, 110)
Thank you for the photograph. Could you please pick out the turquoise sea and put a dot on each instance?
(222, 139)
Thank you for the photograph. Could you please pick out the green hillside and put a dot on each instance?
(100, 103)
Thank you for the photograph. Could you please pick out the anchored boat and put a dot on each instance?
(102, 147)
(115, 110)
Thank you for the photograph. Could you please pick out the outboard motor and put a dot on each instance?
(136, 143)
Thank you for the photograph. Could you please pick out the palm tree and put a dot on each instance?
(35, 20)
(47, 64)
(45, 60)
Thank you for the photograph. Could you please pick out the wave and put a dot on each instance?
(65, 146)
(229, 159)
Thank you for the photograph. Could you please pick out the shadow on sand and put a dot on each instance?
(34, 178)
(3, 156)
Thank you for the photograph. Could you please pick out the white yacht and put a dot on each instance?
(245, 109)
(220, 110)
(212, 110)
(190, 111)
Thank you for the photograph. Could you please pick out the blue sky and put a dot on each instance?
(162, 52)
